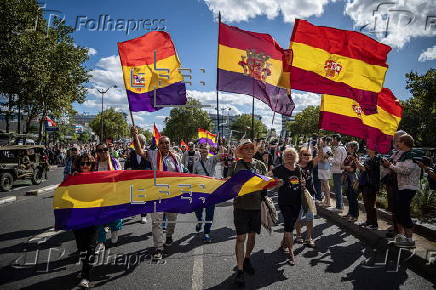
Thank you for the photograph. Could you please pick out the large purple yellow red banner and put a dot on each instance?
(98, 198)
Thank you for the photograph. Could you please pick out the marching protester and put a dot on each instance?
(161, 159)
(324, 168)
(369, 183)
(289, 196)
(205, 166)
(339, 155)
(408, 178)
(135, 161)
(306, 164)
(86, 238)
(105, 162)
(247, 211)
(351, 181)
(70, 161)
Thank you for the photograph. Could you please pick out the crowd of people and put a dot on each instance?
(304, 172)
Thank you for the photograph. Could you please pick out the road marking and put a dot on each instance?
(43, 237)
(42, 190)
(21, 187)
(197, 269)
(7, 199)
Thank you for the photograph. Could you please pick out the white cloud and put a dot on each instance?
(407, 19)
(243, 10)
(429, 54)
(92, 51)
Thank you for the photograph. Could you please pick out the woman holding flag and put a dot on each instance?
(107, 163)
(86, 238)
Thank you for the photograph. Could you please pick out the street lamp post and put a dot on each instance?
(102, 92)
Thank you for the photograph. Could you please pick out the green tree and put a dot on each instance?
(183, 122)
(41, 68)
(419, 115)
(242, 125)
(114, 124)
(306, 122)
(84, 137)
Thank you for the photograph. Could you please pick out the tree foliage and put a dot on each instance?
(242, 125)
(41, 68)
(306, 122)
(183, 122)
(114, 124)
(419, 116)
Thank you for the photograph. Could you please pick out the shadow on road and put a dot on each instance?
(270, 263)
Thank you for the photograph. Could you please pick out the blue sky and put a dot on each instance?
(193, 27)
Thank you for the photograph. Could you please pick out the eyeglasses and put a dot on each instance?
(85, 163)
(105, 149)
(307, 155)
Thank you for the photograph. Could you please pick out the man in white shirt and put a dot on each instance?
(161, 159)
(205, 166)
(339, 155)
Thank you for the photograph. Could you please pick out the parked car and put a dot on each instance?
(21, 162)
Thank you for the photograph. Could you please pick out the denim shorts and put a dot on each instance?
(308, 216)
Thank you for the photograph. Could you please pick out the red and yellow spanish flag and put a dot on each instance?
(252, 63)
(151, 69)
(205, 136)
(343, 63)
(345, 116)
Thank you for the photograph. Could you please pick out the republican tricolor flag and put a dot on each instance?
(205, 136)
(151, 69)
(253, 63)
(338, 62)
(345, 116)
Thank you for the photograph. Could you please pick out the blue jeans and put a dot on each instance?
(337, 189)
(317, 184)
(210, 210)
(353, 204)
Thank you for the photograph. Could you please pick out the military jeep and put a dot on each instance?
(20, 162)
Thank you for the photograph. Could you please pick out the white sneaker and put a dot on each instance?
(84, 283)
(99, 248)
(143, 220)
(114, 237)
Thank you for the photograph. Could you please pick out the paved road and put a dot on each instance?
(334, 264)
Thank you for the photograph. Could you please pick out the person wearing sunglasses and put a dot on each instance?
(105, 162)
(306, 164)
(86, 238)
(135, 161)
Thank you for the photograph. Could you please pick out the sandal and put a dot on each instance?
(291, 261)
(298, 240)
